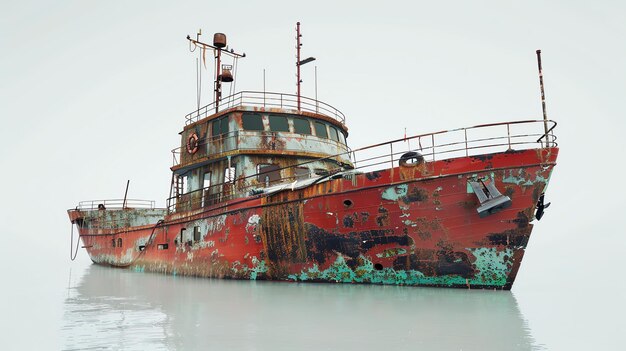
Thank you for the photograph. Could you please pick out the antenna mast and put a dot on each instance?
(219, 42)
(298, 61)
(543, 97)
(298, 45)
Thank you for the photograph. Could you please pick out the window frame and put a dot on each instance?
(308, 123)
(227, 174)
(220, 126)
(334, 132)
(261, 175)
(254, 128)
(274, 117)
(324, 125)
(302, 175)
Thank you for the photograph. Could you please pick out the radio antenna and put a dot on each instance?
(298, 61)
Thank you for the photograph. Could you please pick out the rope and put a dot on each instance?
(148, 243)
(73, 253)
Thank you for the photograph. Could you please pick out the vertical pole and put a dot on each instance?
(317, 104)
(508, 134)
(466, 149)
(198, 83)
(263, 87)
(218, 83)
(543, 97)
(298, 60)
(432, 140)
(198, 73)
(125, 194)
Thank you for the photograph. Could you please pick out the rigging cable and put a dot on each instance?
(197, 83)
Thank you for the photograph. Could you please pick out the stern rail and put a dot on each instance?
(115, 204)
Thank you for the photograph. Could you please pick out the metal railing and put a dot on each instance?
(462, 142)
(267, 99)
(115, 204)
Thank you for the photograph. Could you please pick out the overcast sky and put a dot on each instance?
(94, 93)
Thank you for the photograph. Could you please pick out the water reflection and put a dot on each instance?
(119, 309)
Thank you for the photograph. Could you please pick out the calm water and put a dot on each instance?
(115, 309)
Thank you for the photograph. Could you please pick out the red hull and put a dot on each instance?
(406, 225)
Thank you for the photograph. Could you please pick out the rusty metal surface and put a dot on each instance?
(414, 225)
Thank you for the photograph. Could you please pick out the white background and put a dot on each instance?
(94, 93)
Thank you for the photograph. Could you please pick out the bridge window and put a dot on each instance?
(333, 134)
(268, 173)
(320, 130)
(113, 242)
(252, 121)
(302, 126)
(279, 124)
(220, 126)
(119, 242)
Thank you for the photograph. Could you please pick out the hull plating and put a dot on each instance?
(410, 225)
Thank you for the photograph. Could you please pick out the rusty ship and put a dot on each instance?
(264, 186)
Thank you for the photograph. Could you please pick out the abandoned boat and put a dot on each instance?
(264, 186)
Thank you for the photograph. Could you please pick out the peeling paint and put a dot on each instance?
(323, 233)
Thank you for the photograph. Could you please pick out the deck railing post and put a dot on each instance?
(508, 134)
(466, 148)
(432, 140)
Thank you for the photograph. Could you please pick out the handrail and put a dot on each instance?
(373, 156)
(115, 204)
(546, 134)
(267, 99)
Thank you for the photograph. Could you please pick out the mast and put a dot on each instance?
(298, 61)
(222, 73)
(298, 45)
(543, 97)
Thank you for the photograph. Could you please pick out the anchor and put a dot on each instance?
(491, 200)
(541, 206)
